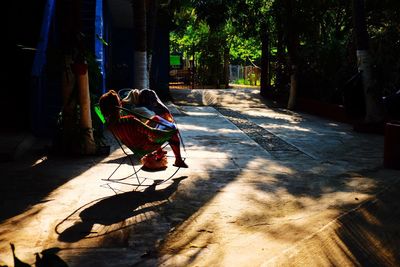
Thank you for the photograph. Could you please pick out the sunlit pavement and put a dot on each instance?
(264, 187)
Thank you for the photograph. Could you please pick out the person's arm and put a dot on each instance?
(163, 123)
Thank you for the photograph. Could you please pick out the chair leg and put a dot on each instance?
(135, 172)
(132, 163)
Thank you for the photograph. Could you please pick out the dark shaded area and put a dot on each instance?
(371, 233)
(120, 73)
(29, 182)
(353, 97)
(391, 104)
(22, 22)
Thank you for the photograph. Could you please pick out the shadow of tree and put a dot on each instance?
(365, 235)
(371, 232)
(311, 184)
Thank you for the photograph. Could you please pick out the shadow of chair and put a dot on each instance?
(115, 209)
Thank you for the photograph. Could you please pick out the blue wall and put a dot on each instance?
(46, 99)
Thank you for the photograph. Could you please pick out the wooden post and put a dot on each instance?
(82, 77)
(75, 73)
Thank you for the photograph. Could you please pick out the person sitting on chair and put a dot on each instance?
(110, 104)
(146, 102)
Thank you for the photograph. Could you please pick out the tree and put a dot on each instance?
(159, 67)
(265, 83)
(292, 38)
(311, 43)
(140, 66)
(373, 112)
(215, 14)
(252, 19)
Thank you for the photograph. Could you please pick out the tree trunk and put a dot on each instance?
(280, 53)
(214, 58)
(292, 45)
(88, 144)
(69, 114)
(373, 112)
(159, 69)
(140, 68)
(226, 66)
(265, 83)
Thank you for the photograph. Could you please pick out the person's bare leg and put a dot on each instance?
(174, 142)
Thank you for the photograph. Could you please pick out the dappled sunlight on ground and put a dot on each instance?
(363, 236)
(286, 116)
(241, 202)
(260, 212)
(294, 128)
(208, 130)
(267, 165)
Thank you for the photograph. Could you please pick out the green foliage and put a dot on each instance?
(193, 37)
(383, 19)
(243, 49)
(204, 30)
(190, 39)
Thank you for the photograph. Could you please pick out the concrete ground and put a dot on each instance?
(264, 187)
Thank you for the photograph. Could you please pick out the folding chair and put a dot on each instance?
(141, 139)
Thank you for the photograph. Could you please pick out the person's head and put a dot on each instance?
(132, 97)
(148, 97)
(109, 103)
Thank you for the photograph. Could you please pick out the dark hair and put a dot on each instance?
(150, 100)
(147, 97)
(108, 103)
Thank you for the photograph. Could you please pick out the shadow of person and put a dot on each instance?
(117, 208)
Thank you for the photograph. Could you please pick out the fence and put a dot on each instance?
(244, 74)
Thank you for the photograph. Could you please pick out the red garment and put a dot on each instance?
(132, 133)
